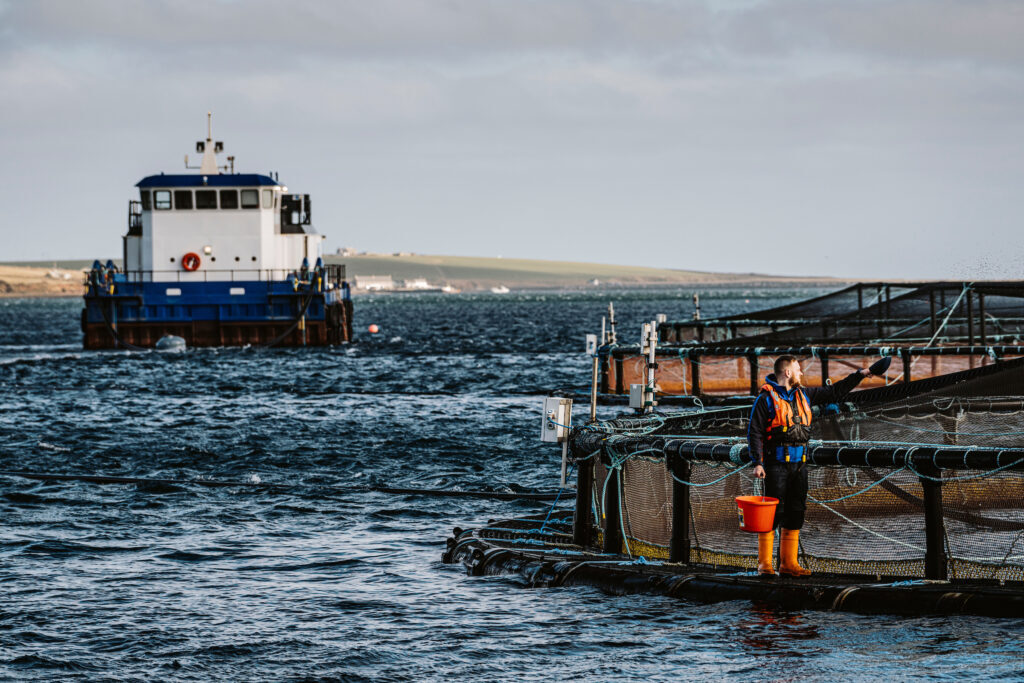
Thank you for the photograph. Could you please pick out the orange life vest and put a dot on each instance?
(780, 430)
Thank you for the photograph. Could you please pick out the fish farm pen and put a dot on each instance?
(914, 505)
(933, 328)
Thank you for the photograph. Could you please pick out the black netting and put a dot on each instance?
(860, 520)
(957, 441)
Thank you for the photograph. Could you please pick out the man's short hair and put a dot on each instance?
(781, 363)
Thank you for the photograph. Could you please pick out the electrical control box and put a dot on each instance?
(591, 344)
(636, 395)
(557, 419)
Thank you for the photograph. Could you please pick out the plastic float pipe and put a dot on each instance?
(897, 597)
(583, 443)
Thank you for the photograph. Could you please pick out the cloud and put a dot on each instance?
(427, 119)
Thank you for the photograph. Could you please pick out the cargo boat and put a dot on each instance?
(217, 258)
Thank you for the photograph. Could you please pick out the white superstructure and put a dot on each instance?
(217, 225)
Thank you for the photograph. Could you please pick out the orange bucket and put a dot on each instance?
(757, 513)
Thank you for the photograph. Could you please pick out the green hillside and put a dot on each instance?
(467, 272)
(478, 272)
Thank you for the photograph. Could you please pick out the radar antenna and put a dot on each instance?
(210, 149)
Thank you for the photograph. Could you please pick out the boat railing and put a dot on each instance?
(333, 274)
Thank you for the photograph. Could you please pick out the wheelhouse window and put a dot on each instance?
(229, 199)
(268, 199)
(162, 200)
(183, 199)
(250, 199)
(206, 199)
(146, 206)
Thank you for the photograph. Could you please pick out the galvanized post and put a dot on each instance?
(581, 520)
(935, 559)
(905, 355)
(679, 548)
(970, 321)
(755, 385)
(981, 318)
(604, 371)
(931, 301)
(881, 311)
(694, 374)
(824, 368)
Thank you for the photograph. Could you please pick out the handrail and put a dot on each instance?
(333, 273)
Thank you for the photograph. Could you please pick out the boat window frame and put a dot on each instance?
(144, 197)
(268, 199)
(205, 193)
(229, 193)
(242, 203)
(183, 194)
(156, 200)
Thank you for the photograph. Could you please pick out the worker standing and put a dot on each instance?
(777, 434)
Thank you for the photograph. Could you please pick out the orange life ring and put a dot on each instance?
(190, 261)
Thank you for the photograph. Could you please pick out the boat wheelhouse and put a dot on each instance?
(220, 259)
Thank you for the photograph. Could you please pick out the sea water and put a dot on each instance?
(314, 582)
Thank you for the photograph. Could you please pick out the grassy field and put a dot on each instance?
(479, 273)
(469, 273)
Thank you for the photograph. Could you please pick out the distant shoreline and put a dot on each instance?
(468, 274)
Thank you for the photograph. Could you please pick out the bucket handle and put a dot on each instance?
(758, 487)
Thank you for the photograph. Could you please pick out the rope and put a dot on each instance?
(864, 528)
(696, 485)
(952, 307)
(967, 477)
(553, 504)
(868, 488)
(622, 517)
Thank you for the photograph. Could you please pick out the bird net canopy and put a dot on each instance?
(929, 313)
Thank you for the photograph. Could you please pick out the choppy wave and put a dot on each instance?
(314, 581)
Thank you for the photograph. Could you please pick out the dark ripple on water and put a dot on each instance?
(166, 581)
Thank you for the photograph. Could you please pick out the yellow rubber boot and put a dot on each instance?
(765, 548)
(789, 546)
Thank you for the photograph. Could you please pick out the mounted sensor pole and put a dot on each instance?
(555, 425)
(612, 338)
(642, 396)
(595, 370)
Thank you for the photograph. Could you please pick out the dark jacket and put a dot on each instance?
(763, 413)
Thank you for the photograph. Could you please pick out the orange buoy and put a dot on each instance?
(190, 261)
(757, 513)
(373, 329)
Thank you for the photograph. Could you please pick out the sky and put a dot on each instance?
(864, 138)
